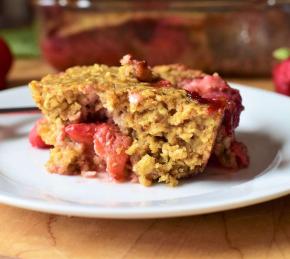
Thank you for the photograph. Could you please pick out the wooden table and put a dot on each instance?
(260, 231)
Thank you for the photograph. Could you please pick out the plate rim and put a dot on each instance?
(113, 213)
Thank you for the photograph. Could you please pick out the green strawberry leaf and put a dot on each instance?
(281, 53)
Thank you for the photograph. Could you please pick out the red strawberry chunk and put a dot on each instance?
(103, 139)
(34, 138)
(81, 132)
(111, 145)
(240, 151)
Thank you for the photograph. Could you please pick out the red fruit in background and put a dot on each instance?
(167, 44)
(84, 48)
(281, 71)
(2, 82)
(281, 77)
(5, 61)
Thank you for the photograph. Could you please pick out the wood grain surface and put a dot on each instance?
(260, 231)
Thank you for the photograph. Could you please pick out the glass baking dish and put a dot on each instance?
(230, 37)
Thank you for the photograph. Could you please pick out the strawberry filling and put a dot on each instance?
(108, 142)
(215, 91)
(81, 132)
(240, 152)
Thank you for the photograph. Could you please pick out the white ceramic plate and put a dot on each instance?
(264, 128)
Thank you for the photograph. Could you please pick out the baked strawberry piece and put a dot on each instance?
(34, 137)
(108, 143)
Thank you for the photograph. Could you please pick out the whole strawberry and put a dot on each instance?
(5, 62)
(281, 71)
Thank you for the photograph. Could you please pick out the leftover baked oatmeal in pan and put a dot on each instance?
(156, 124)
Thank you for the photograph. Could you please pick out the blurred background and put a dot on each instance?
(233, 38)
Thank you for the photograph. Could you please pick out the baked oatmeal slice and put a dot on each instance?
(127, 120)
